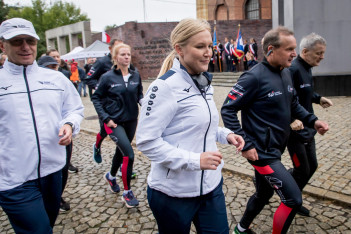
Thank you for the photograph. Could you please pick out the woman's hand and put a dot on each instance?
(111, 124)
(236, 140)
(210, 160)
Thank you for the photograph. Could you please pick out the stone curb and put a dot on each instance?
(338, 198)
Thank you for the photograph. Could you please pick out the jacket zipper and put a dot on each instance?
(34, 121)
(203, 94)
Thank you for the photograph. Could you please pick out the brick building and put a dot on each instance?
(234, 9)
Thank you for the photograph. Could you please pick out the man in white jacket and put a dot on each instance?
(40, 110)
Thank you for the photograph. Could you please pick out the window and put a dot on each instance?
(252, 9)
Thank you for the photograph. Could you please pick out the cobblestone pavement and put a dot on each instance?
(94, 209)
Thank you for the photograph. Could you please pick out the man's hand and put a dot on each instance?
(325, 102)
(296, 125)
(251, 154)
(111, 124)
(210, 160)
(66, 134)
(236, 140)
(321, 127)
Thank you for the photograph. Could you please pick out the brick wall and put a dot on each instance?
(150, 46)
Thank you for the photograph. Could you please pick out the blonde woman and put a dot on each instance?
(178, 130)
(116, 102)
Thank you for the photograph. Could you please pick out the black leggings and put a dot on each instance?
(303, 156)
(65, 168)
(123, 135)
(272, 176)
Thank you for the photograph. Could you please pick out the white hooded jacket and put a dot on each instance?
(35, 103)
(177, 123)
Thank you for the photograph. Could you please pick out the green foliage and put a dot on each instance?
(110, 27)
(3, 10)
(45, 17)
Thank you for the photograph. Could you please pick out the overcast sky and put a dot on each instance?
(109, 12)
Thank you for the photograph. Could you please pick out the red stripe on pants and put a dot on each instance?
(264, 170)
(124, 172)
(296, 160)
(280, 217)
(108, 129)
(98, 140)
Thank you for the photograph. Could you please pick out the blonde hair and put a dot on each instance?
(185, 29)
(116, 50)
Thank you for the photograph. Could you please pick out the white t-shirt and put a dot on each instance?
(125, 78)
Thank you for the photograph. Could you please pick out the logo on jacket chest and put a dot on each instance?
(274, 93)
(5, 87)
(47, 83)
(304, 86)
(133, 83)
(115, 85)
(290, 89)
(187, 89)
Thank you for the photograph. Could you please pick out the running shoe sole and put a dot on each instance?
(128, 206)
(109, 186)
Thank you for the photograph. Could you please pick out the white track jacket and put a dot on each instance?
(176, 124)
(35, 103)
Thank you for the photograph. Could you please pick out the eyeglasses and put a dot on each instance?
(19, 41)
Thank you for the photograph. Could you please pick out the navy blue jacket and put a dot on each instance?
(301, 73)
(113, 100)
(101, 66)
(266, 98)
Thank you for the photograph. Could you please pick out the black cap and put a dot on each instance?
(46, 60)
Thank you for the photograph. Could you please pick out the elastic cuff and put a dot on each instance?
(107, 120)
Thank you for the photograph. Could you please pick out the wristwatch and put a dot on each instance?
(70, 124)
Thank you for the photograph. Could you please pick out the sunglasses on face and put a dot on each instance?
(19, 41)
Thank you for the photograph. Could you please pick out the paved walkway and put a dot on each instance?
(96, 210)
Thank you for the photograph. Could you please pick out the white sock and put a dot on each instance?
(125, 191)
(110, 177)
(240, 228)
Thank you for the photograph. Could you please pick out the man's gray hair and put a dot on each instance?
(308, 42)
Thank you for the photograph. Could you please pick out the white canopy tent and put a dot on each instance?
(96, 50)
(71, 55)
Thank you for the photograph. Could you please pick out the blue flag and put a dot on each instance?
(214, 44)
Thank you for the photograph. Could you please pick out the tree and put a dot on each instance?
(110, 27)
(45, 17)
(3, 10)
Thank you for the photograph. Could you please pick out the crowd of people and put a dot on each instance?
(226, 58)
(178, 126)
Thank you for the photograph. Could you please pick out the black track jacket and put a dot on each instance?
(101, 66)
(113, 100)
(267, 100)
(303, 83)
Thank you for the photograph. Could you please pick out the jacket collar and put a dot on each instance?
(16, 69)
(270, 67)
(304, 63)
(179, 67)
(131, 70)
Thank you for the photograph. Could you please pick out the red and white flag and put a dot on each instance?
(105, 37)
